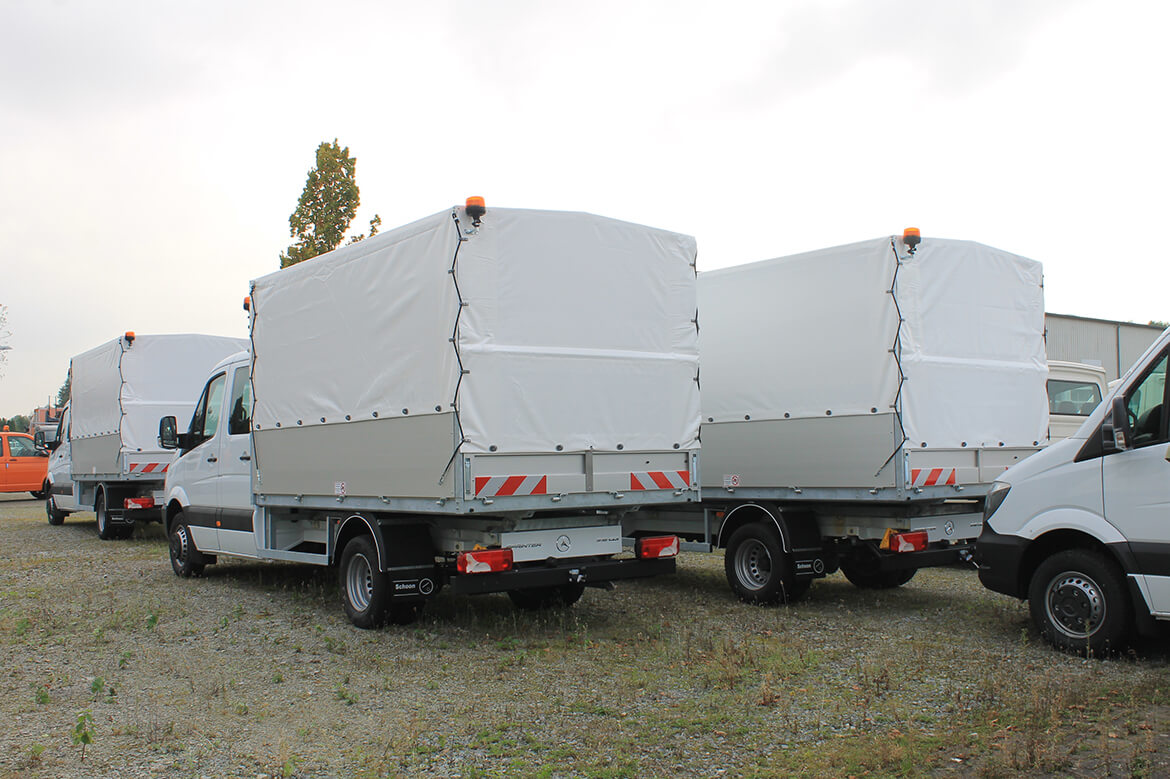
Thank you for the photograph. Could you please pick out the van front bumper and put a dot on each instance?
(999, 558)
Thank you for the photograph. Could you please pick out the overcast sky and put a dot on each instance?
(151, 152)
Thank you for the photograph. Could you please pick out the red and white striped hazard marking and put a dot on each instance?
(660, 480)
(501, 486)
(932, 477)
(149, 467)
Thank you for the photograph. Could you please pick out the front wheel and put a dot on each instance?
(365, 591)
(38, 494)
(537, 598)
(757, 567)
(1079, 603)
(186, 560)
(55, 515)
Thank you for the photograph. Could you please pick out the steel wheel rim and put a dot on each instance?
(359, 582)
(50, 506)
(101, 514)
(1075, 604)
(179, 545)
(753, 564)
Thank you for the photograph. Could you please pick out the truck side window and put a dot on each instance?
(21, 447)
(1146, 406)
(239, 419)
(206, 418)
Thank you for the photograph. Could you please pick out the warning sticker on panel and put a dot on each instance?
(339, 489)
(731, 480)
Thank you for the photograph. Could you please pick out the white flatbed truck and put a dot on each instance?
(105, 457)
(473, 400)
(858, 402)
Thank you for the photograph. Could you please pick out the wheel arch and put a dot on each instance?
(1055, 541)
(746, 513)
(353, 526)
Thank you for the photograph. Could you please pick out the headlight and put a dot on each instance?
(999, 491)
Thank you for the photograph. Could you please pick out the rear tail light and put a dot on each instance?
(655, 547)
(484, 561)
(908, 542)
(139, 503)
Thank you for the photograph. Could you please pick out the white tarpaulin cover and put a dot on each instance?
(817, 334)
(570, 330)
(122, 388)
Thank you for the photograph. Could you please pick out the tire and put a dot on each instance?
(1079, 602)
(365, 591)
(38, 494)
(105, 531)
(186, 559)
(55, 515)
(537, 598)
(865, 577)
(757, 567)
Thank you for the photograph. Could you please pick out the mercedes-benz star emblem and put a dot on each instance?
(563, 544)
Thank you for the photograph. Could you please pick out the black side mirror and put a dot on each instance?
(168, 433)
(1117, 433)
(39, 439)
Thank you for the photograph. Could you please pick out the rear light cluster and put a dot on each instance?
(656, 547)
(139, 503)
(907, 542)
(484, 561)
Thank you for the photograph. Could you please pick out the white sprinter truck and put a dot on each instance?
(105, 456)
(858, 402)
(472, 400)
(1082, 529)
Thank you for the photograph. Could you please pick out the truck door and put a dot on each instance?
(235, 468)
(200, 466)
(24, 467)
(61, 467)
(1136, 483)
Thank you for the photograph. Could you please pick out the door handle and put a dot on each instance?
(246, 457)
(213, 459)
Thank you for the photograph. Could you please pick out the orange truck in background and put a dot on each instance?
(24, 465)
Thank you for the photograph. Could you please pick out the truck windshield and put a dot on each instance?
(1077, 398)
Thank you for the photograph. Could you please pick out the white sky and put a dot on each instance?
(151, 152)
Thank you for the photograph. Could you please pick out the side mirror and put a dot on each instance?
(168, 433)
(39, 439)
(1116, 433)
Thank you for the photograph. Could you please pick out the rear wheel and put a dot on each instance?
(105, 530)
(1079, 602)
(558, 597)
(867, 576)
(186, 560)
(365, 591)
(757, 567)
(55, 515)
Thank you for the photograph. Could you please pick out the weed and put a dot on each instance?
(124, 659)
(34, 754)
(151, 621)
(83, 731)
(21, 626)
(346, 696)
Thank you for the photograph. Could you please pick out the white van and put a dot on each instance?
(1082, 529)
(1074, 390)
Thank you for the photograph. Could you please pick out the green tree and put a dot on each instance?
(16, 424)
(326, 207)
(63, 393)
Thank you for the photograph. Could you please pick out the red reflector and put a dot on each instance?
(484, 561)
(139, 503)
(908, 542)
(658, 546)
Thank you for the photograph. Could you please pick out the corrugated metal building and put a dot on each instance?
(1113, 345)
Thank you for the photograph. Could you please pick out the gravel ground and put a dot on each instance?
(253, 671)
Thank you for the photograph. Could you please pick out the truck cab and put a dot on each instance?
(1080, 529)
(1074, 390)
(210, 480)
